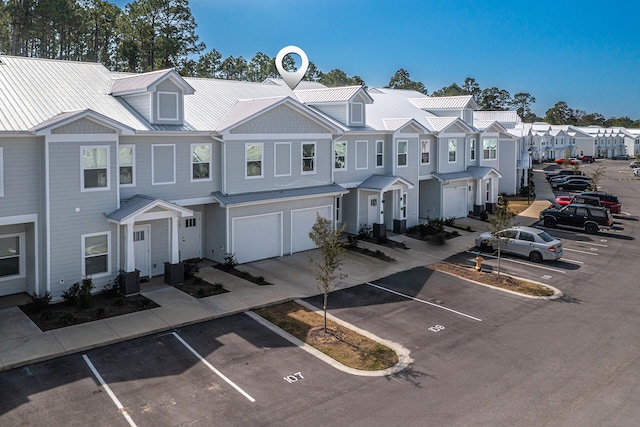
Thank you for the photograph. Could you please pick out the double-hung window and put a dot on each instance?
(200, 162)
(95, 251)
(309, 157)
(452, 150)
(12, 258)
(340, 154)
(95, 168)
(402, 153)
(379, 154)
(425, 146)
(253, 160)
(472, 149)
(489, 148)
(126, 161)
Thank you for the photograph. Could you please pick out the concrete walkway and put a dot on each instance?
(22, 342)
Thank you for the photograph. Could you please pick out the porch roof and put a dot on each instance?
(140, 204)
(452, 176)
(483, 171)
(277, 195)
(382, 182)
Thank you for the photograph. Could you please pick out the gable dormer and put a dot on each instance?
(157, 96)
(461, 106)
(344, 104)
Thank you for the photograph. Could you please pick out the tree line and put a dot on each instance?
(156, 34)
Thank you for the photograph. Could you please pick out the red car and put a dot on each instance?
(571, 161)
(607, 200)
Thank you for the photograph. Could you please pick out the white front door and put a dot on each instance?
(373, 211)
(190, 237)
(142, 249)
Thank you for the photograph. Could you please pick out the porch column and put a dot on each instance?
(174, 240)
(130, 259)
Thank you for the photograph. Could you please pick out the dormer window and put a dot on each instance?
(168, 106)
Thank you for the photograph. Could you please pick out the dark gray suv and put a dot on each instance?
(590, 218)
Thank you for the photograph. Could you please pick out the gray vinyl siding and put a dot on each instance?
(163, 163)
(335, 111)
(349, 211)
(74, 213)
(443, 154)
(183, 188)
(433, 156)
(508, 158)
(409, 172)
(430, 194)
(279, 120)
(141, 103)
(353, 175)
(214, 233)
(82, 126)
(236, 167)
(23, 171)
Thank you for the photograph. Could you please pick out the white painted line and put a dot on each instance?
(547, 276)
(530, 264)
(572, 261)
(210, 366)
(109, 392)
(593, 244)
(581, 252)
(423, 301)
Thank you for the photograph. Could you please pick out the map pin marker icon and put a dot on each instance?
(292, 78)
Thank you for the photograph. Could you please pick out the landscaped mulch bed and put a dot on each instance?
(365, 251)
(199, 288)
(63, 314)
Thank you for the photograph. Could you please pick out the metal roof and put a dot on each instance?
(502, 117)
(444, 102)
(452, 176)
(438, 124)
(382, 182)
(247, 108)
(331, 94)
(139, 204)
(143, 82)
(482, 171)
(277, 195)
(391, 109)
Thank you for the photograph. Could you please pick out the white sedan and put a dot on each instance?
(530, 242)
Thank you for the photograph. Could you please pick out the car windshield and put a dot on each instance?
(546, 237)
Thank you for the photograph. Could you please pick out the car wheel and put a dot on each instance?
(535, 257)
(591, 228)
(485, 246)
(549, 222)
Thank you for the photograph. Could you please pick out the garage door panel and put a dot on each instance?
(257, 237)
(455, 204)
(302, 222)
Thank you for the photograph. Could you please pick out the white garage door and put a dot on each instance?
(257, 237)
(455, 202)
(301, 224)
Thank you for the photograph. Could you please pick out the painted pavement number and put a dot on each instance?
(293, 378)
(436, 328)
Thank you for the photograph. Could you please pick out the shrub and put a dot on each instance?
(230, 261)
(39, 301)
(118, 302)
(112, 289)
(67, 319)
(71, 294)
(200, 292)
(197, 280)
(46, 315)
(260, 280)
(217, 286)
(145, 303)
(85, 296)
(99, 313)
(191, 268)
(364, 230)
(352, 241)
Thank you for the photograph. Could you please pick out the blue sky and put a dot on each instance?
(585, 53)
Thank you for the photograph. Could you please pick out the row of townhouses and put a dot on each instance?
(103, 173)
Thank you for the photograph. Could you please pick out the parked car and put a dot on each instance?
(621, 157)
(577, 199)
(571, 184)
(571, 161)
(566, 177)
(636, 171)
(590, 218)
(587, 159)
(530, 242)
(563, 172)
(635, 164)
(609, 201)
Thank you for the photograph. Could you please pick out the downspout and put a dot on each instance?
(47, 215)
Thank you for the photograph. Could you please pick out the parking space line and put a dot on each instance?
(581, 252)
(109, 392)
(526, 263)
(210, 366)
(423, 301)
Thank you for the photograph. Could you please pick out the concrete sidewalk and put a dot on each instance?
(22, 342)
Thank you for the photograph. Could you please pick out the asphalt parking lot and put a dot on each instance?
(481, 356)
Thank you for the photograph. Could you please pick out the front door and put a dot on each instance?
(190, 237)
(373, 211)
(142, 249)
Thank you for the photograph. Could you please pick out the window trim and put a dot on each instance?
(275, 159)
(366, 154)
(177, 99)
(338, 206)
(22, 259)
(133, 165)
(486, 152)
(191, 148)
(153, 168)
(82, 169)
(83, 238)
(472, 149)
(246, 161)
(361, 118)
(405, 153)
(422, 152)
(313, 159)
(455, 150)
(380, 154)
(335, 155)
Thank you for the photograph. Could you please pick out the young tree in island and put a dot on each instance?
(327, 268)
(501, 219)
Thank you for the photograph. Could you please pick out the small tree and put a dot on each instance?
(327, 268)
(503, 218)
(596, 175)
